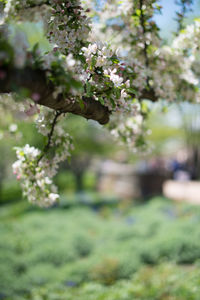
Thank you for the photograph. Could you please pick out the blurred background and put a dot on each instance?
(127, 224)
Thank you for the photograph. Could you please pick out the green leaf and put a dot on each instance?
(138, 12)
(132, 91)
(101, 100)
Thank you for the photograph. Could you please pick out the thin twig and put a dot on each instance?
(47, 146)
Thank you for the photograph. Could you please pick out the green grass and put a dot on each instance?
(113, 253)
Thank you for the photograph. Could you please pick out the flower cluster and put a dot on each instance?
(175, 75)
(167, 70)
(105, 80)
(36, 185)
(129, 127)
(35, 168)
(68, 27)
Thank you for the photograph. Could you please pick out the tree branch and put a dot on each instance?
(13, 80)
(35, 81)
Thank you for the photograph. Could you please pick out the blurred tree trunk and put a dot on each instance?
(194, 163)
(78, 166)
(79, 181)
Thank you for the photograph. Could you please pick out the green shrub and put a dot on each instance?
(63, 248)
(165, 282)
(75, 273)
(106, 271)
(82, 244)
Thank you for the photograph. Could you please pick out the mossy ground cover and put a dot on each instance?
(144, 252)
